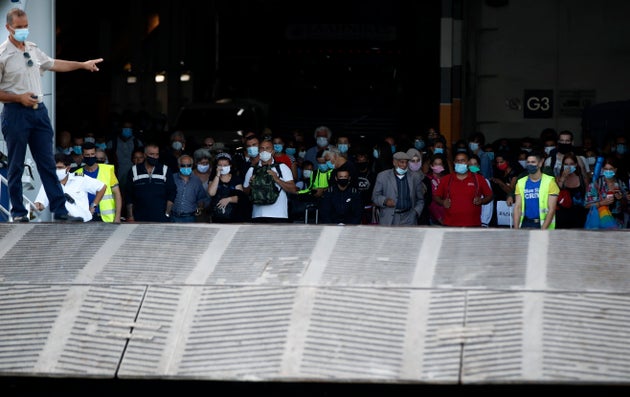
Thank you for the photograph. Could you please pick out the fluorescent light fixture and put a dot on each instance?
(132, 79)
(185, 76)
(240, 112)
(160, 77)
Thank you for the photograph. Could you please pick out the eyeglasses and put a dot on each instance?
(186, 165)
(29, 61)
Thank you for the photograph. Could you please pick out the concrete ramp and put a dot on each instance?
(311, 303)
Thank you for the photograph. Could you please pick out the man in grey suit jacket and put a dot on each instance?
(398, 194)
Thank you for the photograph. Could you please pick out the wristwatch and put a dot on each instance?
(93, 205)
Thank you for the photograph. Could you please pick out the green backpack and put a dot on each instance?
(264, 190)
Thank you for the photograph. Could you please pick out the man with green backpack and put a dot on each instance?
(267, 184)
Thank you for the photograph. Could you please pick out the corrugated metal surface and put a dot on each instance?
(296, 303)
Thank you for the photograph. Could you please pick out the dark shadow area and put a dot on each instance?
(10, 386)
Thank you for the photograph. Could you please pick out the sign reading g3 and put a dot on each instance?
(538, 104)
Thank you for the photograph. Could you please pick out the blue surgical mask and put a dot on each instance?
(438, 150)
(290, 151)
(490, 155)
(252, 151)
(277, 147)
(473, 146)
(523, 163)
(571, 168)
(401, 171)
(330, 165)
(203, 168)
(393, 149)
(609, 174)
(322, 141)
(77, 149)
(461, 168)
(186, 171)
(343, 147)
(531, 168)
(101, 146)
(375, 153)
(418, 144)
(323, 167)
(307, 174)
(177, 145)
(621, 148)
(127, 132)
(21, 34)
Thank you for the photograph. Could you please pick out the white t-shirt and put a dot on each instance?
(279, 209)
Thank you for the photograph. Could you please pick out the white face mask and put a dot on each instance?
(225, 169)
(62, 174)
(265, 156)
(307, 173)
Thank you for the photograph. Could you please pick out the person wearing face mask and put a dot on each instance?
(201, 168)
(336, 160)
(487, 210)
(398, 194)
(318, 182)
(462, 194)
(175, 149)
(122, 148)
(77, 153)
(270, 172)
(191, 197)
(564, 145)
(228, 201)
(251, 157)
(25, 118)
(341, 203)
(536, 197)
(109, 208)
(476, 145)
(415, 166)
(609, 190)
(571, 213)
(437, 168)
(76, 189)
(323, 136)
(504, 181)
(366, 178)
(620, 152)
(150, 190)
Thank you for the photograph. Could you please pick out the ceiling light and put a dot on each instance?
(160, 77)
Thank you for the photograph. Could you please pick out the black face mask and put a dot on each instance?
(152, 161)
(343, 182)
(564, 147)
(89, 161)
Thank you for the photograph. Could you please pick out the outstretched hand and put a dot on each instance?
(91, 64)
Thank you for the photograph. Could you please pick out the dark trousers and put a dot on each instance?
(24, 126)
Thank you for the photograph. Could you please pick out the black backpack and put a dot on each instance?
(263, 187)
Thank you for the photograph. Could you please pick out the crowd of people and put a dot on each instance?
(419, 179)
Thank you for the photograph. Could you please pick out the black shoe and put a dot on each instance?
(21, 219)
(68, 218)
